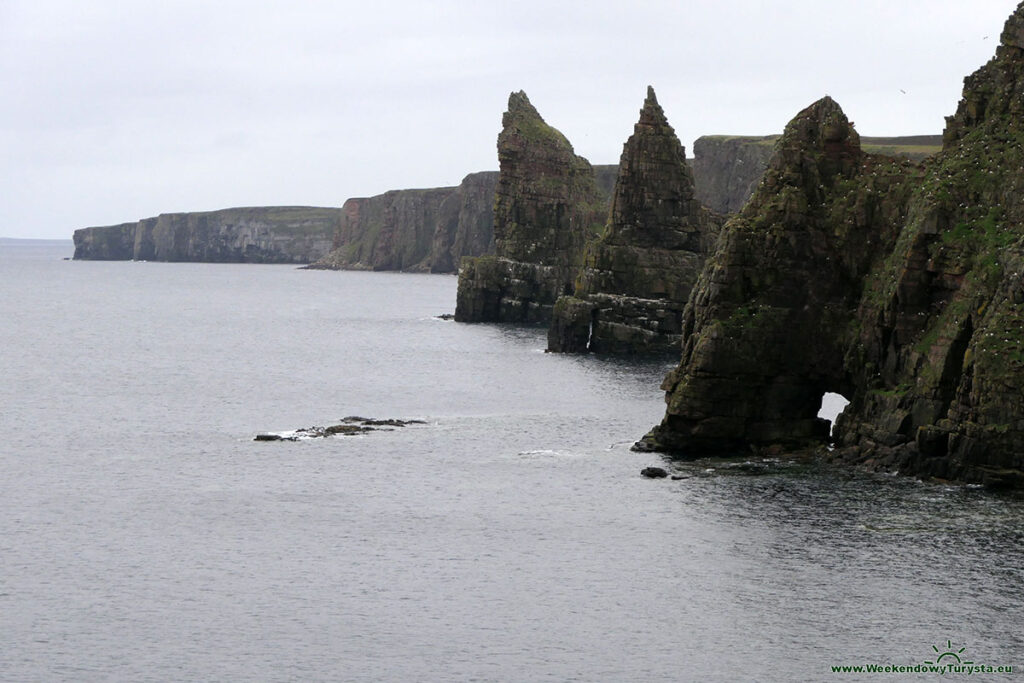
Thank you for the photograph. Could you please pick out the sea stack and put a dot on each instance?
(546, 206)
(637, 275)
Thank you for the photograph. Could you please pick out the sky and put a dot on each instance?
(116, 110)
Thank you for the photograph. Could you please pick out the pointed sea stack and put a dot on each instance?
(896, 285)
(546, 206)
(636, 277)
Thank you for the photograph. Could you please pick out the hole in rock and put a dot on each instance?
(831, 405)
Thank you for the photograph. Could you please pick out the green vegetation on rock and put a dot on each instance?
(897, 284)
(546, 205)
(637, 274)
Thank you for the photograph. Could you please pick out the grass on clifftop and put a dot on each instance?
(913, 147)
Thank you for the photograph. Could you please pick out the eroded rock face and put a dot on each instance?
(546, 205)
(896, 285)
(728, 168)
(940, 354)
(637, 275)
(416, 230)
(472, 232)
(281, 234)
(764, 327)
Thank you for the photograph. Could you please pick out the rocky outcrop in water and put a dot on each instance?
(416, 230)
(546, 205)
(896, 285)
(352, 425)
(281, 234)
(637, 275)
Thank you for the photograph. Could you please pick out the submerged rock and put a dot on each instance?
(349, 426)
(269, 437)
(653, 473)
(897, 285)
(637, 275)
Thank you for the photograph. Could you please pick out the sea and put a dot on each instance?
(145, 535)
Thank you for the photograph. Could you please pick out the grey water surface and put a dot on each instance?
(144, 536)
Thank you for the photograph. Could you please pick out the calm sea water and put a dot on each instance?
(144, 536)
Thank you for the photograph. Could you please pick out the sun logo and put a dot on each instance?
(949, 653)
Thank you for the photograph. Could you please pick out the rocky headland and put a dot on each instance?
(280, 234)
(547, 204)
(637, 275)
(898, 285)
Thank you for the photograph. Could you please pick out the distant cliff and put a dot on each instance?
(895, 284)
(547, 204)
(637, 274)
(728, 168)
(416, 230)
(427, 230)
(283, 234)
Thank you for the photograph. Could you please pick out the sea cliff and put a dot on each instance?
(895, 284)
(284, 234)
(728, 168)
(415, 230)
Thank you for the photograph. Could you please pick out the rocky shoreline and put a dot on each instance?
(348, 426)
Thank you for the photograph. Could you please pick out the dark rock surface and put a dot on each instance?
(276, 234)
(637, 275)
(349, 426)
(653, 473)
(547, 203)
(897, 285)
(757, 357)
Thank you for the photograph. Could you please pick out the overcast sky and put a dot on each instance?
(115, 110)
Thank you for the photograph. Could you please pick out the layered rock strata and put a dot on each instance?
(728, 168)
(896, 285)
(637, 275)
(546, 205)
(416, 230)
(281, 234)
